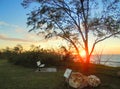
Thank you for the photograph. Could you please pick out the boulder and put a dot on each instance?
(77, 80)
(93, 80)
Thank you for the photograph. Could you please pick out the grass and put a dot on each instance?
(17, 77)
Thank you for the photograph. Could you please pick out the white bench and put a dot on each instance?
(40, 65)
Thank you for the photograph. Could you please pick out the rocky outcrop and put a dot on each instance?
(79, 81)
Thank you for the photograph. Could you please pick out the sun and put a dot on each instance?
(83, 53)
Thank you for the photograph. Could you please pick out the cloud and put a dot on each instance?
(2, 23)
(12, 28)
(23, 33)
(4, 37)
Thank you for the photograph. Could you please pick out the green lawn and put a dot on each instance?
(17, 77)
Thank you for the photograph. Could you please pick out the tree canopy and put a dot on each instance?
(75, 21)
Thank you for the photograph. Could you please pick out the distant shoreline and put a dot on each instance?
(107, 59)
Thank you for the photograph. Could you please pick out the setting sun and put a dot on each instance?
(82, 53)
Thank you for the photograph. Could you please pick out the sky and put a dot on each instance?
(14, 30)
(13, 27)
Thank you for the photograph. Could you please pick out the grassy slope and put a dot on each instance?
(16, 77)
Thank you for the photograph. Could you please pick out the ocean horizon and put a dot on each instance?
(112, 60)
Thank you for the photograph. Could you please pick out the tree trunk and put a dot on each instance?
(86, 66)
(87, 61)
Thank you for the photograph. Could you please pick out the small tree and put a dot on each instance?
(76, 21)
(18, 48)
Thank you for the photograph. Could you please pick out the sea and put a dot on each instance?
(112, 60)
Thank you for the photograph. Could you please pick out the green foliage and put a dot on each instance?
(29, 58)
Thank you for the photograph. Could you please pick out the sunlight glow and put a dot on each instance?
(82, 53)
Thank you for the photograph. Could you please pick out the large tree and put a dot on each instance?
(75, 21)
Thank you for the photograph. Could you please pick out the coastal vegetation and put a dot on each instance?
(18, 56)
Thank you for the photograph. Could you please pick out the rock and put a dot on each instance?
(93, 80)
(77, 80)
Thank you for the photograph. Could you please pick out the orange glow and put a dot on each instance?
(83, 53)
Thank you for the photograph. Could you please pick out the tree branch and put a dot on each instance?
(108, 36)
(69, 14)
(99, 40)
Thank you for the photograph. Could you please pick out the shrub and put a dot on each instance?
(30, 58)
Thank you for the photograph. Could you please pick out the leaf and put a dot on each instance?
(49, 26)
(49, 35)
(43, 10)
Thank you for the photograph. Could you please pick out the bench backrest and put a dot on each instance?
(67, 73)
(38, 63)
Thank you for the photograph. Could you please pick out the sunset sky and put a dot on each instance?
(13, 30)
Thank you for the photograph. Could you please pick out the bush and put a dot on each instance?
(29, 58)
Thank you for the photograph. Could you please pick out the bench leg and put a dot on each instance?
(39, 69)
